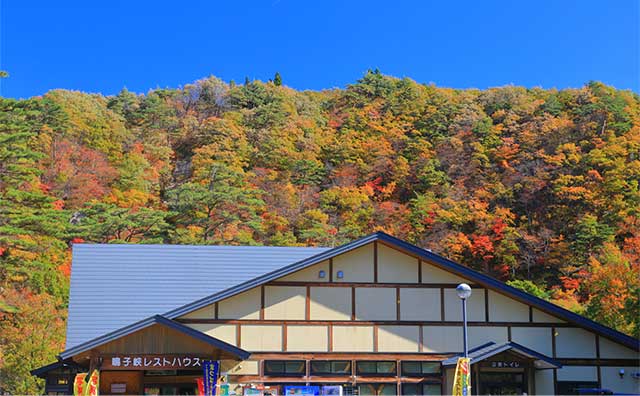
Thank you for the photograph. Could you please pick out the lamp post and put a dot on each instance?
(464, 292)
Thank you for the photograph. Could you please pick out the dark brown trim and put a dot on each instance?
(330, 338)
(284, 337)
(375, 338)
(509, 333)
(530, 314)
(331, 269)
(307, 304)
(419, 271)
(336, 380)
(486, 304)
(601, 362)
(352, 322)
(555, 381)
(215, 311)
(353, 303)
(398, 303)
(442, 304)
(350, 356)
(262, 302)
(597, 346)
(368, 284)
(420, 339)
(600, 377)
(553, 341)
(375, 262)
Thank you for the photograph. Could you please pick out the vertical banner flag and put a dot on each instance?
(93, 384)
(79, 384)
(210, 371)
(462, 378)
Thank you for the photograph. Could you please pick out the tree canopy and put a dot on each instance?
(531, 186)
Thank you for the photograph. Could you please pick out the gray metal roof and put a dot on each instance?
(115, 285)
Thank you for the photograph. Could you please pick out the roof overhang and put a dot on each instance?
(42, 371)
(225, 349)
(491, 349)
(437, 260)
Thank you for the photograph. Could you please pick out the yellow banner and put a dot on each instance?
(86, 388)
(92, 386)
(79, 384)
(462, 378)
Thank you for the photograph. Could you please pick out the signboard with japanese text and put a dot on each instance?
(152, 362)
(503, 364)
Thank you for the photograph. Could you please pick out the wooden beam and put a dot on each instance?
(367, 284)
(351, 322)
(375, 262)
(398, 303)
(375, 338)
(307, 304)
(284, 337)
(409, 356)
(353, 303)
(262, 300)
(442, 304)
(486, 305)
(331, 269)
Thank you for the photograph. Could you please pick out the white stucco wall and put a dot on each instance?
(395, 266)
(420, 304)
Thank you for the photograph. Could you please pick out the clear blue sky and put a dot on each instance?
(102, 46)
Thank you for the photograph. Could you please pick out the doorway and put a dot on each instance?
(502, 383)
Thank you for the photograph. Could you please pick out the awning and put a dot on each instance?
(490, 349)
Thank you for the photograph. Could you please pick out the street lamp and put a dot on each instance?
(464, 292)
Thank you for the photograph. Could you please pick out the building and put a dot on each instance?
(377, 316)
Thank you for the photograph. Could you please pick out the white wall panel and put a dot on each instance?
(420, 304)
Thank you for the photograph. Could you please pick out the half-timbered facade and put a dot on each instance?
(377, 316)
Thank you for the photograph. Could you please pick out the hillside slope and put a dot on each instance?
(536, 187)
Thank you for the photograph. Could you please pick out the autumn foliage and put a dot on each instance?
(532, 186)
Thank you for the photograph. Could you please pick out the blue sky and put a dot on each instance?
(102, 46)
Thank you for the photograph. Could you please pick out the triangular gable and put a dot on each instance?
(491, 349)
(438, 261)
(226, 350)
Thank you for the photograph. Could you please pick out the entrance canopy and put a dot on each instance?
(491, 349)
(156, 335)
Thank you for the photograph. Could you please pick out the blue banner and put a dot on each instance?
(210, 369)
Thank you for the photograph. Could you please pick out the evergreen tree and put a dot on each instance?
(277, 79)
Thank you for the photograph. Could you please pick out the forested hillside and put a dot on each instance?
(537, 187)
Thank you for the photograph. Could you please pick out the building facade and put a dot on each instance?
(377, 316)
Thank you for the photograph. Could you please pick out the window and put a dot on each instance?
(377, 389)
(572, 387)
(376, 368)
(421, 369)
(421, 389)
(330, 367)
(285, 368)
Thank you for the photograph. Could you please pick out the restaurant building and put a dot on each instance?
(377, 316)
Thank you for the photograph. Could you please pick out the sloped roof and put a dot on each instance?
(153, 320)
(228, 268)
(115, 285)
(439, 261)
(490, 349)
